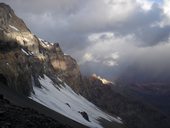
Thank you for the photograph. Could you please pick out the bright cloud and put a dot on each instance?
(107, 48)
(87, 57)
(145, 4)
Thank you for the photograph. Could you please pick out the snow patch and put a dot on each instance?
(66, 54)
(13, 28)
(10, 15)
(45, 43)
(58, 96)
(25, 52)
(59, 79)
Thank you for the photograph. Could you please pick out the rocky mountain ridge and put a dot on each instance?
(21, 52)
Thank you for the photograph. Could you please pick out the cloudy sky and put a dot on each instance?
(105, 36)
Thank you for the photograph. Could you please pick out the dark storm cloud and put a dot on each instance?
(142, 25)
(145, 29)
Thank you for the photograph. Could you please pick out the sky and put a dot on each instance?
(106, 37)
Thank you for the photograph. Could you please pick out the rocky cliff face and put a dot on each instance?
(13, 29)
(21, 52)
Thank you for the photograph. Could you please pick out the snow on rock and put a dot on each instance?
(10, 15)
(28, 53)
(24, 52)
(66, 54)
(62, 99)
(16, 29)
(103, 80)
(45, 44)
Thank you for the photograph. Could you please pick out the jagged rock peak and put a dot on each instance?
(9, 21)
(13, 29)
(6, 7)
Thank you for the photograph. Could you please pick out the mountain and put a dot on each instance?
(119, 100)
(156, 94)
(35, 73)
(142, 72)
(148, 82)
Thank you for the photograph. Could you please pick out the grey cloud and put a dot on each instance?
(41, 6)
(151, 65)
(141, 24)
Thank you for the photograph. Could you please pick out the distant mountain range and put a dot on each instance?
(156, 94)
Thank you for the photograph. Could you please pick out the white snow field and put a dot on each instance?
(62, 99)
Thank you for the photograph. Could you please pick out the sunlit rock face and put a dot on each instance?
(13, 28)
(103, 80)
(63, 65)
